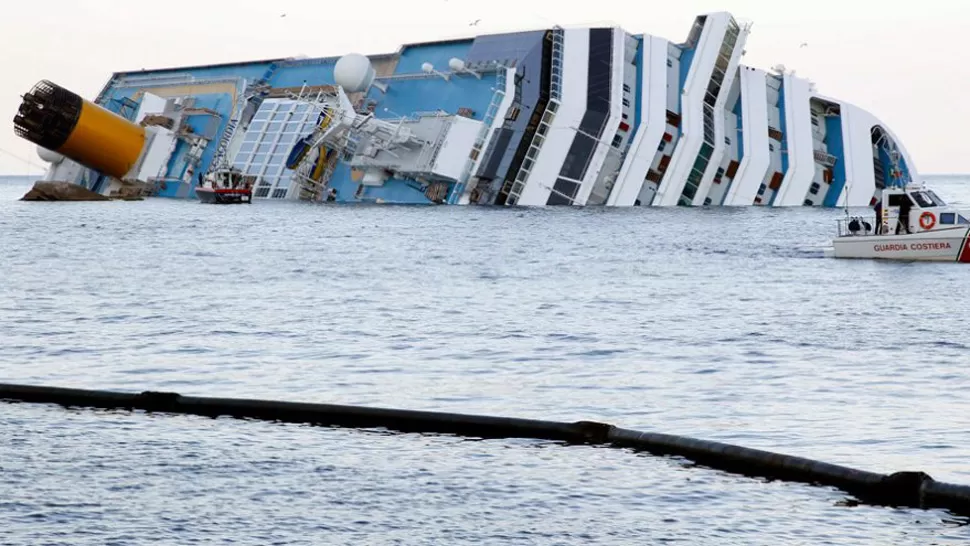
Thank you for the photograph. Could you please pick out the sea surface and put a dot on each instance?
(724, 324)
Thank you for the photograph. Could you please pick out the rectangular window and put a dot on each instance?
(922, 199)
(626, 88)
(776, 181)
(896, 200)
(242, 158)
(617, 140)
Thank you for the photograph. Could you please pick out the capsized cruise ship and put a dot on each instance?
(562, 116)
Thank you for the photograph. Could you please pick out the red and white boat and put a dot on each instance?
(911, 223)
(226, 187)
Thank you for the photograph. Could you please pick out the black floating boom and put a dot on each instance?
(911, 489)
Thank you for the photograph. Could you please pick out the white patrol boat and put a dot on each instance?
(911, 223)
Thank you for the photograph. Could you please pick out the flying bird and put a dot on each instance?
(473, 23)
(804, 44)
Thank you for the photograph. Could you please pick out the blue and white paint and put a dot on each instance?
(578, 116)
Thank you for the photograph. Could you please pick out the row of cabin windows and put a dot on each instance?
(925, 199)
(953, 218)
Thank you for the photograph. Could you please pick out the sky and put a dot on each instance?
(904, 64)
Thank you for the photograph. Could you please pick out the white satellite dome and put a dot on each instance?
(456, 64)
(353, 72)
(49, 156)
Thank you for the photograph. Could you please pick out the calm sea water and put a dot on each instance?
(726, 324)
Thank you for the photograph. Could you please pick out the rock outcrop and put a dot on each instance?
(61, 191)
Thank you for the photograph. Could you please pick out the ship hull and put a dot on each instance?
(949, 245)
(224, 196)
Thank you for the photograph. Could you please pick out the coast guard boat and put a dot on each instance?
(226, 186)
(912, 223)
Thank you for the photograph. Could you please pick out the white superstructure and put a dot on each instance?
(576, 116)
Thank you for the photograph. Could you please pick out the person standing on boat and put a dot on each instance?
(878, 207)
(904, 205)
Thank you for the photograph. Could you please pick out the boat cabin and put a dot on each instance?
(231, 178)
(909, 209)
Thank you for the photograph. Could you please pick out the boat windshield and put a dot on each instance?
(923, 200)
(936, 198)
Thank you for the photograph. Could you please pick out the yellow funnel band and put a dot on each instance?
(104, 141)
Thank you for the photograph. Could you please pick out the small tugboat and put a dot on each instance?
(227, 186)
(911, 223)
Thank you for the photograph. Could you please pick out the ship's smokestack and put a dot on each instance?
(61, 121)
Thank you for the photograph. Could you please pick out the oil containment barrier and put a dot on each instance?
(904, 489)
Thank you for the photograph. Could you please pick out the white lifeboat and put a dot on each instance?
(910, 223)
